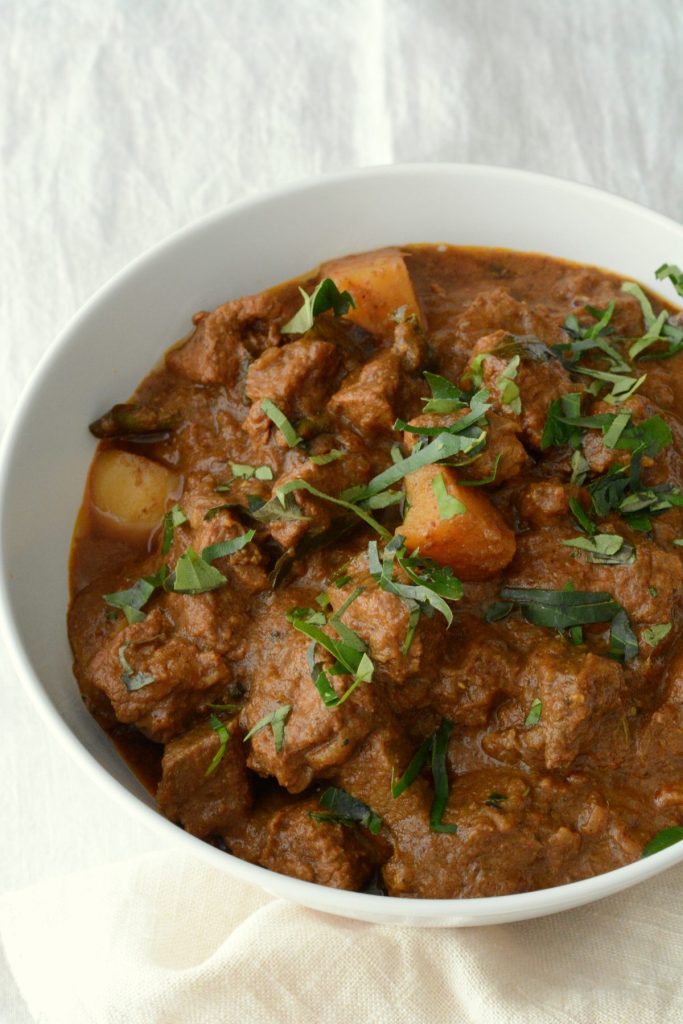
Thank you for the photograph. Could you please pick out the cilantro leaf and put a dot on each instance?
(347, 810)
(133, 680)
(174, 517)
(281, 422)
(325, 296)
(652, 635)
(276, 720)
(223, 734)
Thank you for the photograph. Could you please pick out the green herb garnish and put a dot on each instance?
(325, 296)
(131, 601)
(223, 734)
(417, 763)
(174, 517)
(281, 422)
(653, 634)
(448, 505)
(227, 547)
(667, 837)
(346, 810)
(133, 680)
(604, 548)
(440, 777)
(331, 456)
(509, 390)
(276, 720)
(535, 712)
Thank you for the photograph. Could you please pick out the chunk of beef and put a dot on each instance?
(367, 396)
(496, 310)
(544, 501)
(219, 349)
(170, 677)
(647, 589)
(317, 738)
(205, 801)
(382, 620)
(479, 669)
(318, 514)
(503, 453)
(582, 698)
(540, 378)
(288, 840)
(297, 377)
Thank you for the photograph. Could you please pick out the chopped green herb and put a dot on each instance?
(132, 601)
(440, 777)
(653, 590)
(509, 390)
(193, 575)
(276, 720)
(223, 734)
(581, 516)
(133, 680)
(349, 660)
(484, 480)
(604, 548)
(667, 837)
(227, 547)
(674, 274)
(325, 296)
(535, 712)
(331, 456)
(281, 422)
(560, 609)
(653, 634)
(347, 810)
(298, 485)
(580, 468)
(446, 397)
(242, 470)
(174, 517)
(448, 505)
(495, 799)
(498, 610)
(428, 587)
(417, 763)
(623, 641)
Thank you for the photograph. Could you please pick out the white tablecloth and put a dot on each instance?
(123, 121)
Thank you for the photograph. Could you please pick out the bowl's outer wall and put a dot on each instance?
(122, 332)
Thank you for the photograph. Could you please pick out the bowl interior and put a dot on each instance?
(124, 329)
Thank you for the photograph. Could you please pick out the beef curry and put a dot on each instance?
(377, 580)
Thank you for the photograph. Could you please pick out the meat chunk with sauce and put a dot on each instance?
(156, 678)
(218, 351)
(538, 378)
(318, 515)
(367, 396)
(647, 589)
(582, 699)
(205, 799)
(317, 738)
(284, 837)
(297, 377)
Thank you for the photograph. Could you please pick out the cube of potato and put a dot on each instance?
(379, 284)
(129, 493)
(475, 541)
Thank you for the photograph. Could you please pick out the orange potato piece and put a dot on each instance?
(129, 493)
(379, 284)
(476, 544)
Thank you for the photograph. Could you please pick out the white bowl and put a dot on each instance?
(123, 330)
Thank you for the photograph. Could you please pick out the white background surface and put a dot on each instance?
(123, 121)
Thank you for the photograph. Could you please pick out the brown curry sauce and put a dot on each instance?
(565, 755)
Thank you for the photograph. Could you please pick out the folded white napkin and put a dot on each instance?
(166, 939)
